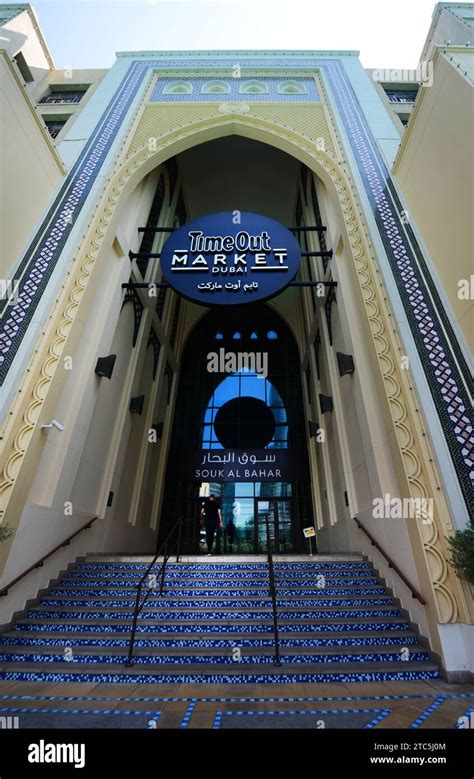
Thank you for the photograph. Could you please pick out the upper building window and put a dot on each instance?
(253, 87)
(291, 88)
(178, 87)
(401, 95)
(55, 126)
(215, 87)
(63, 94)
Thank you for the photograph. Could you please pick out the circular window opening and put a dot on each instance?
(244, 423)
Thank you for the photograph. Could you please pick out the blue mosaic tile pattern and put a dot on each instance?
(203, 634)
(380, 714)
(122, 593)
(124, 678)
(443, 362)
(223, 615)
(172, 605)
(323, 627)
(235, 93)
(419, 720)
(201, 659)
(230, 699)
(212, 642)
(373, 699)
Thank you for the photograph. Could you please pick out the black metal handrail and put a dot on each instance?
(166, 548)
(272, 592)
(391, 563)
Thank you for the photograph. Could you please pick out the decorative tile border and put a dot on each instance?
(189, 712)
(326, 627)
(218, 643)
(445, 369)
(272, 95)
(380, 715)
(208, 660)
(192, 702)
(195, 678)
(227, 699)
(432, 707)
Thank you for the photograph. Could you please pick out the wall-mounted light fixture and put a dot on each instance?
(136, 404)
(345, 363)
(325, 402)
(105, 366)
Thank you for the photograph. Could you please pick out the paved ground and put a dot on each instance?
(422, 704)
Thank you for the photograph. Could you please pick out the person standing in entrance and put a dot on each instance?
(211, 517)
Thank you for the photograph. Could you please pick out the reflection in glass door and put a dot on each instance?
(278, 513)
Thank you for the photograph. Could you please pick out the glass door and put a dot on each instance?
(277, 511)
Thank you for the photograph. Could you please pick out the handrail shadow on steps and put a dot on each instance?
(39, 563)
(391, 564)
(166, 549)
(272, 592)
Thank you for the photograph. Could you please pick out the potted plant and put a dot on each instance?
(461, 546)
(5, 532)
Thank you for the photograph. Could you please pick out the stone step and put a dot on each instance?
(177, 602)
(71, 588)
(29, 639)
(362, 671)
(208, 583)
(349, 630)
(175, 654)
(230, 613)
(312, 624)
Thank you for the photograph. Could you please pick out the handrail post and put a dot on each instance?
(138, 606)
(271, 575)
(129, 662)
(180, 528)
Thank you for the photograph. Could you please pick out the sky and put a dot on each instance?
(87, 33)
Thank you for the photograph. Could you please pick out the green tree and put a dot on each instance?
(462, 552)
(5, 532)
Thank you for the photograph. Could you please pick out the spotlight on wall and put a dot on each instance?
(313, 428)
(53, 423)
(105, 366)
(325, 402)
(345, 363)
(158, 428)
(136, 404)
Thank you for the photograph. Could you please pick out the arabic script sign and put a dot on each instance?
(230, 258)
(251, 465)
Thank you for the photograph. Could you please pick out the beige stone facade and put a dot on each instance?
(285, 159)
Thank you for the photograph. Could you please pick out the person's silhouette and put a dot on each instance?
(211, 518)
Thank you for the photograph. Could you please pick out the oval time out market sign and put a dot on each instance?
(213, 261)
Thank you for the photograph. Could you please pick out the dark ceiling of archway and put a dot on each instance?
(239, 173)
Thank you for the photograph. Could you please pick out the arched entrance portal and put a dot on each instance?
(240, 389)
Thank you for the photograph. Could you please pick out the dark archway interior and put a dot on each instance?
(208, 418)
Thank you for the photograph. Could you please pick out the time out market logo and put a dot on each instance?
(215, 261)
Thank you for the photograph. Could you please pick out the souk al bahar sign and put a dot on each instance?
(230, 258)
(247, 465)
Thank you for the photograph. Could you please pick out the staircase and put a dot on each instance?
(337, 623)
